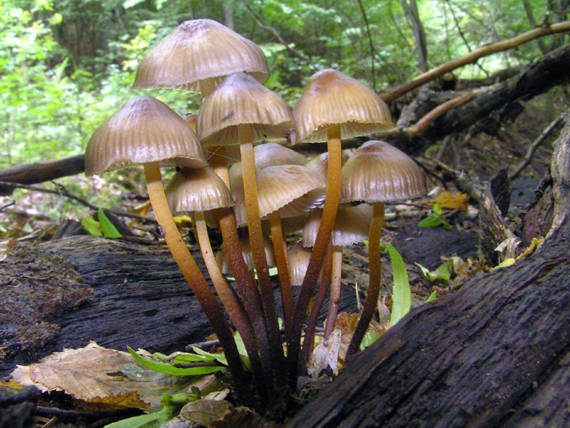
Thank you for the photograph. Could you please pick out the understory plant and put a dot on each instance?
(238, 112)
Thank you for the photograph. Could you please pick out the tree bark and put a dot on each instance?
(496, 353)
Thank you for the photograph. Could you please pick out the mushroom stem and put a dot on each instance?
(192, 273)
(256, 241)
(321, 243)
(335, 290)
(229, 298)
(375, 280)
(245, 284)
(280, 250)
(308, 342)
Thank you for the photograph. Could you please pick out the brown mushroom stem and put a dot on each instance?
(308, 342)
(192, 273)
(375, 273)
(280, 251)
(229, 298)
(256, 241)
(335, 290)
(244, 281)
(323, 237)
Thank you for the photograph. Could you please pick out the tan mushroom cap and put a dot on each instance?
(200, 50)
(222, 260)
(298, 258)
(379, 172)
(201, 189)
(241, 99)
(291, 189)
(143, 130)
(268, 154)
(332, 98)
(350, 227)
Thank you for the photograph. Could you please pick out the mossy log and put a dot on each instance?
(496, 353)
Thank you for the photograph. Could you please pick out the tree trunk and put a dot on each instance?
(496, 353)
(411, 9)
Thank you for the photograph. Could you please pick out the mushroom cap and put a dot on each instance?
(143, 130)
(298, 258)
(350, 227)
(267, 154)
(201, 189)
(239, 100)
(332, 98)
(379, 172)
(291, 189)
(222, 259)
(199, 50)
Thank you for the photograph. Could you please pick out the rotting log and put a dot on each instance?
(496, 353)
(130, 293)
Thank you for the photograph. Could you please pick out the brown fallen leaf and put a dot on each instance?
(99, 376)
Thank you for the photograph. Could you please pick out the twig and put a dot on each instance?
(261, 21)
(475, 55)
(372, 50)
(530, 152)
(64, 192)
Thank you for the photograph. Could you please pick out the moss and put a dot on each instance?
(35, 287)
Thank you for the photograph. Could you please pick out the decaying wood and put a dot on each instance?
(475, 55)
(496, 353)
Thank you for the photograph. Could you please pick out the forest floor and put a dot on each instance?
(480, 156)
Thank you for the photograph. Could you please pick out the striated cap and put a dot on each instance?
(222, 260)
(239, 100)
(199, 53)
(350, 227)
(201, 189)
(298, 260)
(379, 172)
(143, 130)
(291, 189)
(332, 98)
(268, 154)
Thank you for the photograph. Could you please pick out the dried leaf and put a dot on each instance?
(98, 375)
(205, 412)
(326, 355)
(452, 202)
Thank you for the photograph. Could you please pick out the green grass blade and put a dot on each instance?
(169, 369)
(401, 293)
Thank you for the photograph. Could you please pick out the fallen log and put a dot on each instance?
(496, 353)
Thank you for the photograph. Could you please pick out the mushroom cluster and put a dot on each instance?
(271, 190)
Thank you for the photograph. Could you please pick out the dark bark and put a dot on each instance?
(496, 353)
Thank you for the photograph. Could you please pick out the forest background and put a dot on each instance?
(67, 65)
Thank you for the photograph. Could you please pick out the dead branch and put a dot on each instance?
(475, 55)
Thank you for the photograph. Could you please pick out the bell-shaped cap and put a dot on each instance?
(379, 172)
(143, 130)
(290, 189)
(350, 227)
(332, 98)
(200, 53)
(222, 259)
(268, 154)
(240, 100)
(298, 261)
(201, 189)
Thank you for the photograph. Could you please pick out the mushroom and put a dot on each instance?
(377, 173)
(333, 106)
(242, 111)
(146, 131)
(197, 191)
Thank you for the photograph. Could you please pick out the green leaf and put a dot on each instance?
(155, 419)
(401, 293)
(219, 357)
(369, 338)
(431, 220)
(442, 273)
(169, 369)
(432, 297)
(189, 358)
(109, 230)
(92, 226)
(437, 210)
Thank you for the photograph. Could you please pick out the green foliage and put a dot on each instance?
(401, 292)
(441, 274)
(170, 369)
(435, 219)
